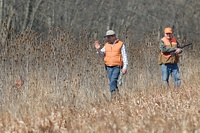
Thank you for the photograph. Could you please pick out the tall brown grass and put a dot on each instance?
(65, 86)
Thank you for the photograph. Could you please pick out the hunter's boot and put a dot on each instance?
(165, 85)
(115, 94)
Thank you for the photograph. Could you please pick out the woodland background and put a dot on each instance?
(137, 16)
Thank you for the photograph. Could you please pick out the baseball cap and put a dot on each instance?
(109, 33)
(168, 30)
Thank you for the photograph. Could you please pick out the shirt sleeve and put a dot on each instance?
(124, 57)
(164, 49)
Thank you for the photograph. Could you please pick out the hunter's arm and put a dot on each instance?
(101, 52)
(164, 49)
(124, 57)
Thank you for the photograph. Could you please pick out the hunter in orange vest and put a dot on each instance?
(115, 59)
(169, 57)
(113, 54)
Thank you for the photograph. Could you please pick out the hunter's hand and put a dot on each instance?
(124, 71)
(178, 51)
(97, 45)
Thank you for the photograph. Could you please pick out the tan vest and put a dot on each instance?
(168, 58)
(113, 56)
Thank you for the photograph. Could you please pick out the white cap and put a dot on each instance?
(109, 33)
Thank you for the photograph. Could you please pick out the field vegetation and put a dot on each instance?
(64, 87)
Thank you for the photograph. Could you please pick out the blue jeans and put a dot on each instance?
(113, 74)
(168, 69)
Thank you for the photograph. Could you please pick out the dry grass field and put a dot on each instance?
(64, 87)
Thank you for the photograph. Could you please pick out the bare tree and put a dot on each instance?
(139, 15)
(1, 12)
(27, 9)
(34, 10)
(7, 23)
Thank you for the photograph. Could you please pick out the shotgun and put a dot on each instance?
(186, 45)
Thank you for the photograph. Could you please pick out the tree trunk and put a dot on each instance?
(26, 16)
(7, 24)
(32, 17)
(1, 12)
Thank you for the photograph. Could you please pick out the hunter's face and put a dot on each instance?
(168, 35)
(111, 39)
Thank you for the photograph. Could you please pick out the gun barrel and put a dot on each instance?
(186, 45)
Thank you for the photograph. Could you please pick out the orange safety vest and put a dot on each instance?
(167, 58)
(169, 43)
(113, 56)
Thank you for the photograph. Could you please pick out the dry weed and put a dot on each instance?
(65, 87)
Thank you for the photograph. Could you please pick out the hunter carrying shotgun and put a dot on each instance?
(115, 59)
(169, 58)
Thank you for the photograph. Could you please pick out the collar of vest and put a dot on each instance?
(116, 41)
(170, 40)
